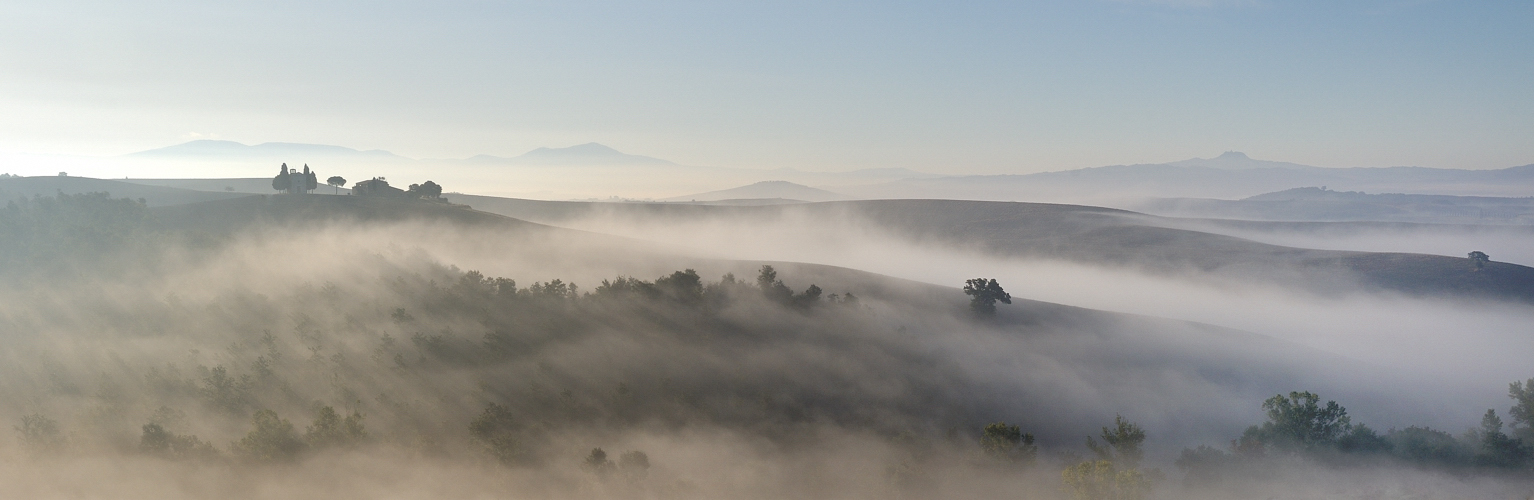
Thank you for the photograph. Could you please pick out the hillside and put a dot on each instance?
(250, 185)
(1089, 235)
(388, 255)
(154, 196)
(1202, 179)
(765, 190)
(1317, 204)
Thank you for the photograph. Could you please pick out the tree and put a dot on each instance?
(597, 463)
(634, 465)
(984, 294)
(1121, 444)
(1479, 258)
(337, 181)
(682, 286)
(1299, 421)
(271, 439)
(283, 180)
(329, 429)
(1007, 442)
(1497, 449)
(767, 280)
(496, 429)
(40, 434)
(310, 181)
(162, 443)
(427, 191)
(1522, 412)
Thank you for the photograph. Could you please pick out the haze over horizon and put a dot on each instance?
(983, 88)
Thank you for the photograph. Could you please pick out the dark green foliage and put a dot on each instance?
(984, 294)
(810, 297)
(498, 431)
(1363, 440)
(1205, 465)
(164, 444)
(685, 287)
(331, 430)
(1428, 447)
(40, 434)
(597, 463)
(1496, 448)
(70, 234)
(271, 439)
(224, 392)
(1121, 444)
(427, 191)
(773, 288)
(336, 181)
(552, 290)
(283, 180)
(1007, 443)
(1299, 422)
(1522, 412)
(311, 181)
(1479, 258)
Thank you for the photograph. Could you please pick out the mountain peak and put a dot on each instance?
(587, 149)
(211, 148)
(588, 153)
(1233, 160)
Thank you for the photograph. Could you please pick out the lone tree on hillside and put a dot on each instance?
(983, 295)
(1479, 258)
(427, 191)
(337, 181)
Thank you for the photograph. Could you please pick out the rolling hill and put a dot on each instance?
(154, 196)
(765, 190)
(1081, 344)
(1089, 235)
(1317, 204)
(1227, 177)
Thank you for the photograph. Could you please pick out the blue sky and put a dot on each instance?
(950, 87)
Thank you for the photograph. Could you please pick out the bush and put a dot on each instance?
(40, 434)
(1100, 480)
(164, 444)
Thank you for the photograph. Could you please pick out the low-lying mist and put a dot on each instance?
(1462, 350)
(458, 360)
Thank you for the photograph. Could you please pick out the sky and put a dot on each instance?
(943, 87)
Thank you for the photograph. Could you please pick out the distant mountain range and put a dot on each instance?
(585, 154)
(595, 170)
(1230, 176)
(590, 153)
(231, 149)
(1235, 160)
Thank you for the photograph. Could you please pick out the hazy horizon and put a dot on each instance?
(992, 87)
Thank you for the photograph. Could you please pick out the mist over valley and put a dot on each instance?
(1087, 250)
